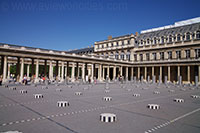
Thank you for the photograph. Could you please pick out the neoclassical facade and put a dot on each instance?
(169, 52)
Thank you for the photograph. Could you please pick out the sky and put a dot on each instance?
(73, 24)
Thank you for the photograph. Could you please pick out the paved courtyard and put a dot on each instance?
(24, 113)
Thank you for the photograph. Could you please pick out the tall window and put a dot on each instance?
(122, 43)
(135, 57)
(141, 42)
(147, 41)
(187, 52)
(128, 42)
(122, 55)
(154, 56)
(117, 43)
(128, 55)
(141, 57)
(198, 35)
(188, 36)
(106, 55)
(162, 40)
(170, 39)
(154, 40)
(107, 45)
(170, 55)
(178, 37)
(147, 57)
(116, 55)
(162, 55)
(102, 46)
(178, 54)
(111, 44)
(197, 53)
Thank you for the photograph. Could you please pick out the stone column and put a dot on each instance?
(132, 73)
(50, 70)
(37, 71)
(58, 72)
(103, 73)
(114, 72)
(28, 70)
(199, 74)
(99, 72)
(73, 72)
(188, 74)
(169, 74)
(8, 77)
(121, 68)
(65, 72)
(83, 72)
(126, 73)
(5, 68)
(18, 68)
(152, 71)
(22, 69)
(161, 72)
(145, 73)
(76, 70)
(178, 74)
(92, 72)
(62, 71)
(108, 72)
(139, 73)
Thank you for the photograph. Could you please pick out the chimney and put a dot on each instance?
(136, 33)
(109, 37)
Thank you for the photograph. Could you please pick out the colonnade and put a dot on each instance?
(99, 71)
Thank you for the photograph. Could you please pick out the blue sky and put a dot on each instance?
(72, 24)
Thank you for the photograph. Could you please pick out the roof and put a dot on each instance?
(170, 31)
(90, 49)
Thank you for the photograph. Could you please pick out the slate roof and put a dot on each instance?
(171, 31)
(83, 50)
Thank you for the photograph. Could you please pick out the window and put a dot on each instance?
(154, 40)
(141, 42)
(170, 55)
(154, 56)
(170, 39)
(187, 54)
(102, 46)
(147, 57)
(147, 41)
(178, 54)
(122, 55)
(141, 57)
(117, 43)
(122, 43)
(178, 37)
(117, 55)
(107, 45)
(188, 36)
(162, 40)
(135, 57)
(183, 37)
(128, 42)
(162, 55)
(128, 55)
(198, 35)
(197, 53)
(111, 44)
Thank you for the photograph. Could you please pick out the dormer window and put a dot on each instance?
(147, 41)
(188, 36)
(170, 38)
(178, 37)
(117, 43)
(122, 43)
(154, 40)
(198, 35)
(128, 42)
(162, 40)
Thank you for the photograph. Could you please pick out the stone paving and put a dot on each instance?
(20, 111)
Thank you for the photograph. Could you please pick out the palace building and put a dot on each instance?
(169, 53)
